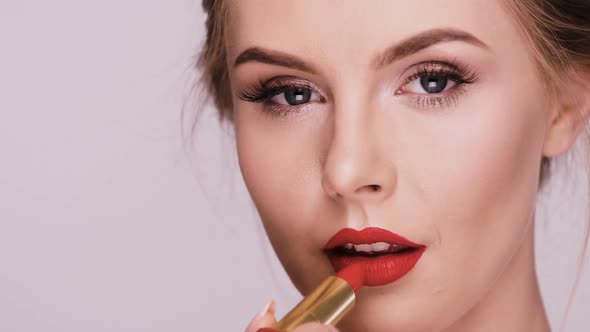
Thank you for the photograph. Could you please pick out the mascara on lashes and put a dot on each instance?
(262, 91)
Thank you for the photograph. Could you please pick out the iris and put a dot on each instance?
(296, 96)
(434, 84)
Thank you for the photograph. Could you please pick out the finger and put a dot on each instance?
(265, 317)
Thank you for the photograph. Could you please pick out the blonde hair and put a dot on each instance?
(558, 32)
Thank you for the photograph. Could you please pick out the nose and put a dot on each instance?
(357, 166)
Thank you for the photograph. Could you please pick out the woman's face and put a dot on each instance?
(424, 118)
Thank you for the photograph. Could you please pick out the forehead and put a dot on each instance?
(353, 30)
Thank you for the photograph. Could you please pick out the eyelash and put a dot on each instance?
(453, 71)
(263, 91)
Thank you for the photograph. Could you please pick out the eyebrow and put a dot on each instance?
(257, 54)
(399, 50)
(422, 41)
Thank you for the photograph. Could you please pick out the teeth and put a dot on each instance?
(371, 248)
(363, 247)
(380, 246)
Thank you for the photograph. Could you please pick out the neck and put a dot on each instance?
(514, 303)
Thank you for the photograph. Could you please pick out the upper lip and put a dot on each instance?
(367, 236)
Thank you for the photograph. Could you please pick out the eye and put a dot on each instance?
(283, 95)
(430, 84)
(294, 96)
(437, 84)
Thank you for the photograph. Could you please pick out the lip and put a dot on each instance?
(379, 270)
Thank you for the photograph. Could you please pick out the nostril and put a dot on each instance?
(369, 189)
(375, 187)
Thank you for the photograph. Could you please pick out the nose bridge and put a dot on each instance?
(354, 168)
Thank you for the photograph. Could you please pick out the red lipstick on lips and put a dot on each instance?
(385, 256)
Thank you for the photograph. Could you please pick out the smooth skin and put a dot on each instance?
(371, 148)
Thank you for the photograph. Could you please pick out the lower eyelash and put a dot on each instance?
(278, 111)
(440, 101)
(455, 71)
(262, 92)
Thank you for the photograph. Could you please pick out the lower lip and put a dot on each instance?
(380, 270)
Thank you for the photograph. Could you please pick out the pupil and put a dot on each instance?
(434, 84)
(297, 96)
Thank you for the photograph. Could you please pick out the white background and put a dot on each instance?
(107, 225)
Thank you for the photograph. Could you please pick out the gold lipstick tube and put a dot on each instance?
(327, 304)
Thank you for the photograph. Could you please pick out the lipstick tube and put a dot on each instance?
(327, 304)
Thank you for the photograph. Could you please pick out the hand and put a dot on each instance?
(266, 317)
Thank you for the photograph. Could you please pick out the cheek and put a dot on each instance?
(482, 186)
(497, 163)
(491, 157)
(279, 164)
(268, 167)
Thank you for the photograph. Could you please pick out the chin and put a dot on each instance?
(380, 309)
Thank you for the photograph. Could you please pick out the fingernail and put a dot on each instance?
(272, 307)
(262, 311)
(259, 315)
(267, 329)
